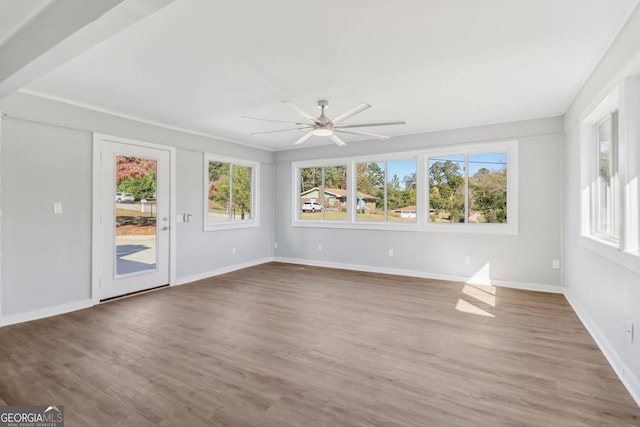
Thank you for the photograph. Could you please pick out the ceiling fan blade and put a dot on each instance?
(300, 111)
(359, 109)
(269, 120)
(364, 125)
(337, 140)
(281, 130)
(353, 132)
(304, 138)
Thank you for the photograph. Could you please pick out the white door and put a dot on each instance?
(134, 221)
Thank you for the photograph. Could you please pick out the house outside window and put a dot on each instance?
(323, 193)
(467, 188)
(386, 191)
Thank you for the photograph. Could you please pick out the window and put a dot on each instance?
(606, 218)
(323, 193)
(231, 198)
(386, 191)
(602, 202)
(468, 188)
(609, 174)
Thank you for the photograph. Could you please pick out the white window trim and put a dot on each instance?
(295, 200)
(255, 194)
(421, 224)
(625, 99)
(589, 175)
(511, 148)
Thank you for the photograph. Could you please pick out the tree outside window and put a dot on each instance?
(468, 188)
(230, 192)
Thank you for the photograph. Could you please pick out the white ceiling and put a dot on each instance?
(200, 65)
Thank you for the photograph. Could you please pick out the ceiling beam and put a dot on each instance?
(61, 31)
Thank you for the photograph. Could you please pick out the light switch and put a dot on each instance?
(57, 208)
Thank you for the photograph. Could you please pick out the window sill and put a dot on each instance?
(500, 229)
(231, 225)
(609, 250)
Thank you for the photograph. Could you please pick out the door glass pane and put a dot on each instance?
(135, 214)
(446, 189)
(488, 188)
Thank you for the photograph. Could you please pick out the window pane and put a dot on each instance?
(241, 193)
(488, 188)
(446, 189)
(606, 221)
(311, 200)
(401, 191)
(335, 193)
(370, 203)
(219, 187)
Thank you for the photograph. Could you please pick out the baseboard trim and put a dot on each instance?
(626, 376)
(45, 312)
(538, 287)
(219, 271)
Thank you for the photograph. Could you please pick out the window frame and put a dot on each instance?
(589, 141)
(614, 205)
(511, 150)
(255, 193)
(422, 196)
(386, 159)
(322, 164)
(622, 95)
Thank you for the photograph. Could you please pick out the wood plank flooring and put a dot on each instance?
(289, 345)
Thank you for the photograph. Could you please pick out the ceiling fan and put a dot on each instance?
(324, 126)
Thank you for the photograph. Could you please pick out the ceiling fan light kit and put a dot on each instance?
(326, 127)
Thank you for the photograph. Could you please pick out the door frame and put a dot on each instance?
(97, 243)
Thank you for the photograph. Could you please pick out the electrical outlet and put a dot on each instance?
(233, 251)
(555, 264)
(319, 247)
(390, 252)
(630, 330)
(275, 245)
(57, 208)
(467, 259)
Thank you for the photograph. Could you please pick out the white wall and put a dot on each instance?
(603, 291)
(523, 260)
(46, 258)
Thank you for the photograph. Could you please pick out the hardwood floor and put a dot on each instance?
(289, 345)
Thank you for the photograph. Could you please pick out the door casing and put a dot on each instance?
(98, 245)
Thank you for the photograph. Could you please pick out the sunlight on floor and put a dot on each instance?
(486, 294)
(467, 307)
(478, 288)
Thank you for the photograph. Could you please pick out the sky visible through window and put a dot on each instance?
(491, 161)
(401, 168)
